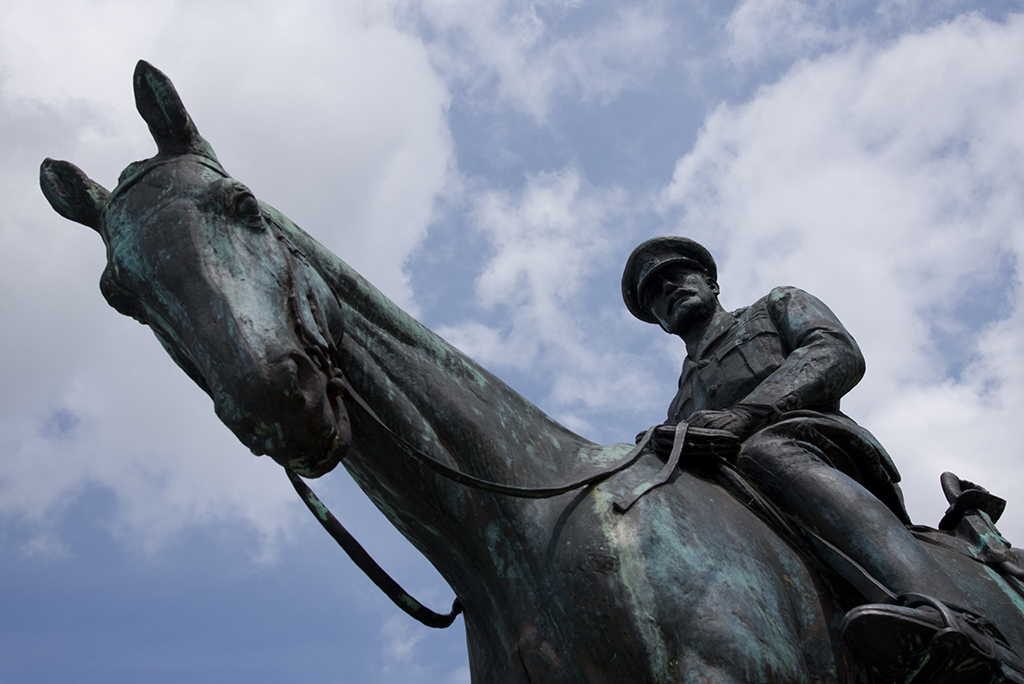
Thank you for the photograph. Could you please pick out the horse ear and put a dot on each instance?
(158, 103)
(71, 193)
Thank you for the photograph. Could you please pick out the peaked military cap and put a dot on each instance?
(653, 255)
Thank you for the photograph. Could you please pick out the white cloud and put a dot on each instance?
(344, 123)
(400, 637)
(544, 243)
(548, 245)
(762, 29)
(403, 642)
(513, 48)
(328, 112)
(887, 181)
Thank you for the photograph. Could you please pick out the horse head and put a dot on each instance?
(195, 256)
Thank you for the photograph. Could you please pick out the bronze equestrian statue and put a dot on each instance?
(574, 562)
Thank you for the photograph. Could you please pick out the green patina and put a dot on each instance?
(1004, 584)
(410, 602)
(321, 510)
(619, 534)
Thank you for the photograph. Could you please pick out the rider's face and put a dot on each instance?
(681, 296)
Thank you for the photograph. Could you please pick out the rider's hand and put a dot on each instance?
(737, 420)
(701, 443)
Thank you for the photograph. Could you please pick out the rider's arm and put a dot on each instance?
(824, 362)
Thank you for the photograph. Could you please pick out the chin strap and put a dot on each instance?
(360, 557)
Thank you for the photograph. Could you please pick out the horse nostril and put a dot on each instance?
(303, 378)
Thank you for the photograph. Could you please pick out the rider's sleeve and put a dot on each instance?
(824, 361)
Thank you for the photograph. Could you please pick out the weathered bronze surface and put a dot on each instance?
(697, 580)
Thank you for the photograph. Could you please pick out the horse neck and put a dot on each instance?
(444, 404)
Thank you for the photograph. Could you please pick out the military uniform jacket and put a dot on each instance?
(789, 352)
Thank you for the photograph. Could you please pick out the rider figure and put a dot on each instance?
(772, 374)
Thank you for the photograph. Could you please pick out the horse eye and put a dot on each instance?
(123, 301)
(246, 205)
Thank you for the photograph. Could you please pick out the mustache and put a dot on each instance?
(679, 294)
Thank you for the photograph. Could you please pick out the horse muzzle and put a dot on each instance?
(294, 413)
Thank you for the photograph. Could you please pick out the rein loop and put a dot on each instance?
(361, 558)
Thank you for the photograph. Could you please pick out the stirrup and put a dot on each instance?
(921, 640)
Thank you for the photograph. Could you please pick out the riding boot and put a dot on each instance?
(921, 640)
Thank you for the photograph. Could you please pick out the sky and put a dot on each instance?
(489, 165)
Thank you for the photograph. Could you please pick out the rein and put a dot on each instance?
(378, 575)
(486, 485)
(361, 558)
